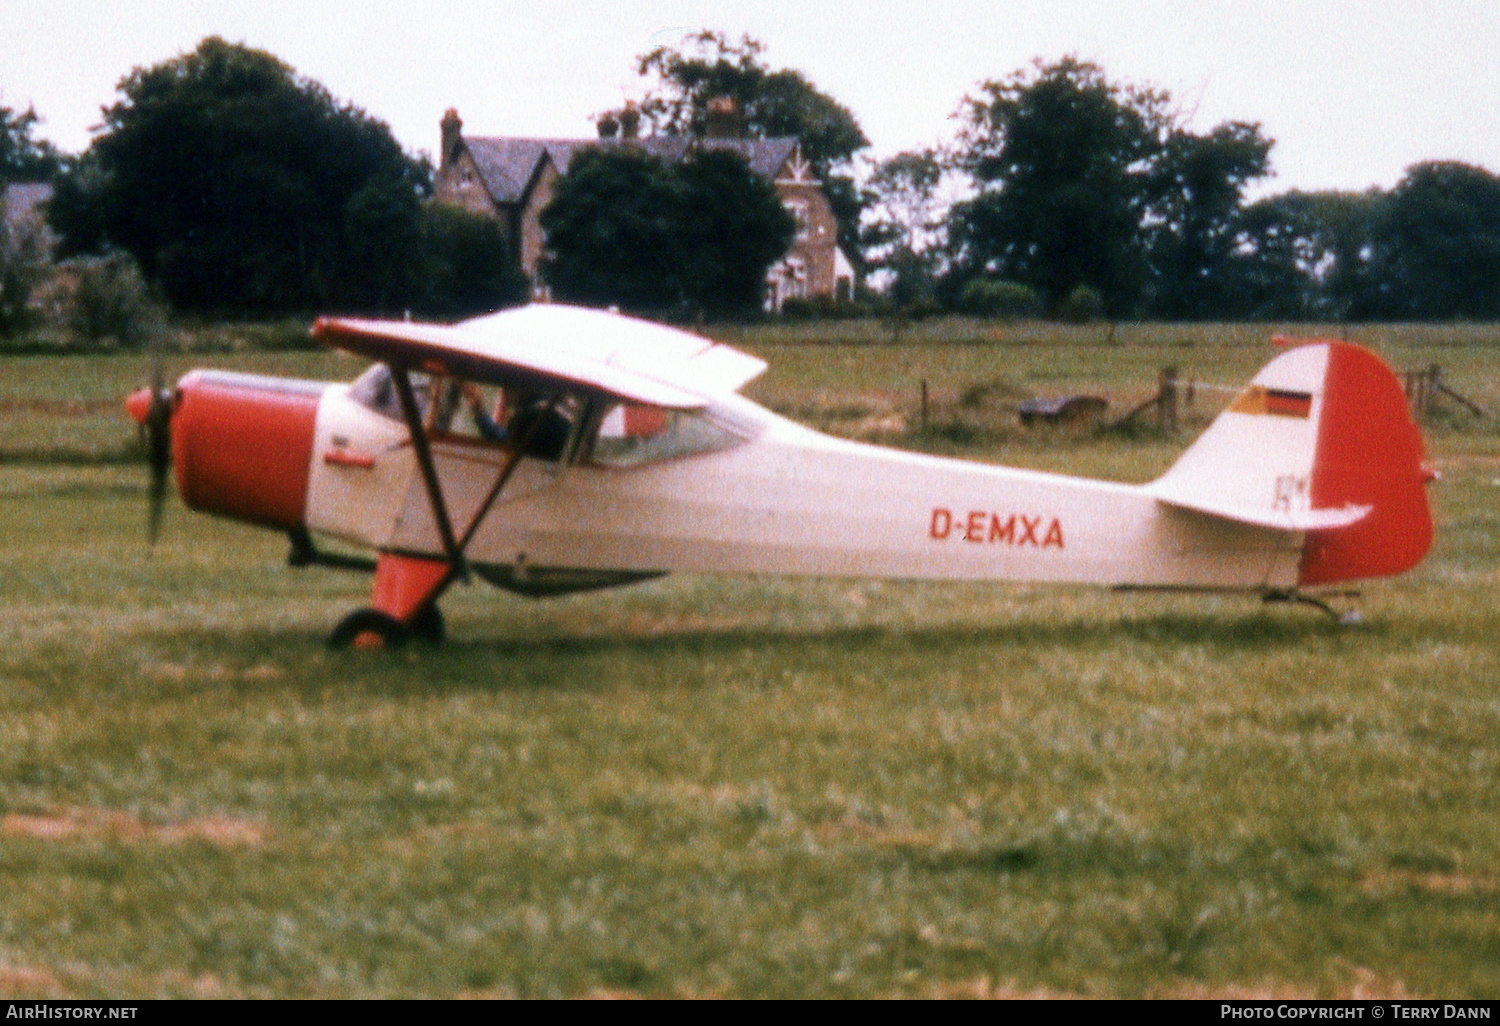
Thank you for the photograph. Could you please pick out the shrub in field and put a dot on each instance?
(1083, 305)
(105, 298)
(823, 308)
(280, 337)
(284, 336)
(1006, 300)
(899, 316)
(24, 265)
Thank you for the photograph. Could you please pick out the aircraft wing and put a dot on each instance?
(619, 356)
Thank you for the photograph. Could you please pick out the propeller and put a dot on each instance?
(152, 410)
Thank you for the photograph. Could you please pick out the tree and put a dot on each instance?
(903, 226)
(1193, 218)
(1274, 273)
(1303, 256)
(734, 228)
(1436, 244)
(1061, 159)
(1338, 250)
(382, 233)
(77, 210)
(464, 265)
(703, 67)
(613, 232)
(628, 229)
(231, 181)
(23, 158)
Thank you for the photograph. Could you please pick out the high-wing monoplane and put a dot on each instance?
(550, 449)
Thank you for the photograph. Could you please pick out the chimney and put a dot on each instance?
(722, 119)
(630, 122)
(451, 126)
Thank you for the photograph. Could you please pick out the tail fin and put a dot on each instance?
(1321, 442)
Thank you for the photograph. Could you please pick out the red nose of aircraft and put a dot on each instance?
(241, 444)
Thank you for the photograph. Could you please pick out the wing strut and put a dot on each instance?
(521, 445)
(455, 547)
(422, 447)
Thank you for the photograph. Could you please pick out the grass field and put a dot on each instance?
(745, 787)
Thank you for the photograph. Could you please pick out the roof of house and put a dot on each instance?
(508, 165)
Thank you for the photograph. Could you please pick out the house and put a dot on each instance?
(513, 180)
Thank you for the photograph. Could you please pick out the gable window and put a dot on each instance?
(800, 213)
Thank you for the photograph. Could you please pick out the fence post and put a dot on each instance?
(1416, 388)
(1166, 399)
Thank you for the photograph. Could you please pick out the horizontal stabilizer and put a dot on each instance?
(1275, 519)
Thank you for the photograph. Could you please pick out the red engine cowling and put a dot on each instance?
(242, 445)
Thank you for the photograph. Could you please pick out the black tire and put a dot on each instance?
(427, 626)
(392, 633)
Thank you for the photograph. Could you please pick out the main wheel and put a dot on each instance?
(369, 628)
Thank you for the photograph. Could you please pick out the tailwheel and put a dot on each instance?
(370, 628)
(1348, 618)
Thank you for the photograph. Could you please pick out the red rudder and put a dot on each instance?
(1369, 453)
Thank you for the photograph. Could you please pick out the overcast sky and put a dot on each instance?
(1353, 92)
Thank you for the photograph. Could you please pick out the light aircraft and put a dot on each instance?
(627, 452)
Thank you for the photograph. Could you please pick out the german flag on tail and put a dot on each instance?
(1261, 401)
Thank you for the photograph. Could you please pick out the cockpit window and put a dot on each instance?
(628, 434)
(465, 409)
(633, 435)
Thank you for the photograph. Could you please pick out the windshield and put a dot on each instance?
(632, 435)
(629, 434)
(375, 390)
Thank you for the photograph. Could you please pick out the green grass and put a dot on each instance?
(743, 787)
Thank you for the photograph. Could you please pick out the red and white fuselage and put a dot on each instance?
(787, 500)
